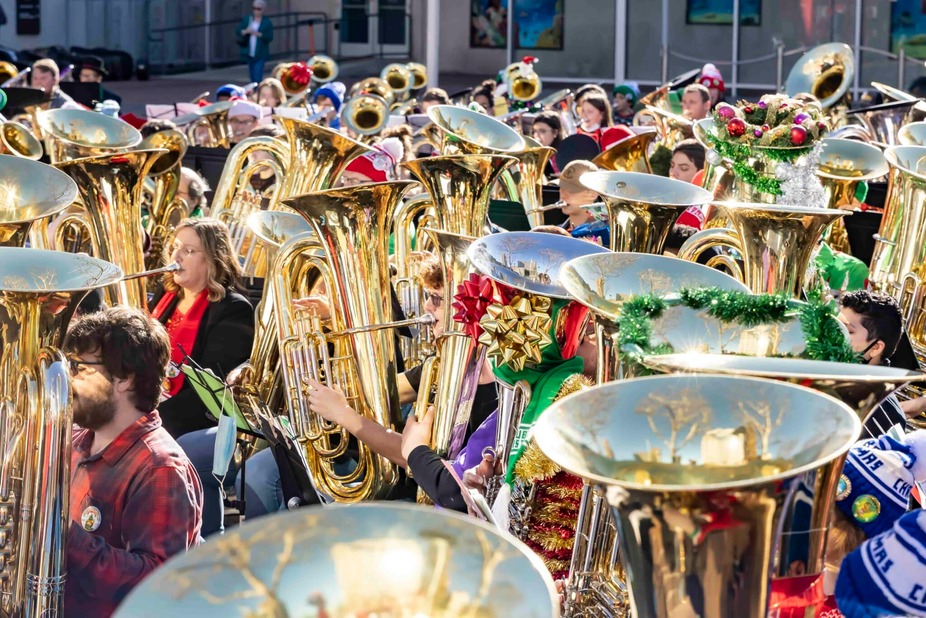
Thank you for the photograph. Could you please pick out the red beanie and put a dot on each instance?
(379, 166)
(615, 134)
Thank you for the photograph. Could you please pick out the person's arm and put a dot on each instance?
(159, 520)
(407, 393)
(913, 407)
(267, 35)
(433, 477)
(332, 405)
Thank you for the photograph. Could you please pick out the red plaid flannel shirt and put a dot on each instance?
(133, 505)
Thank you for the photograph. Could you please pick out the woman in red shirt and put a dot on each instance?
(595, 111)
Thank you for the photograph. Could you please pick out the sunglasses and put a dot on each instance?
(436, 299)
(75, 364)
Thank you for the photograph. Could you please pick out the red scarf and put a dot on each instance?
(182, 330)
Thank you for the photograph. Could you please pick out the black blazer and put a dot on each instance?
(223, 342)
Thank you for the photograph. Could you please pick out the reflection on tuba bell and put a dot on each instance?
(324, 68)
(17, 140)
(30, 192)
(631, 154)
(366, 114)
(679, 452)
(39, 293)
(399, 78)
(76, 133)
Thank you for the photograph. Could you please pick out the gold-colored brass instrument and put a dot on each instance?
(861, 387)
(528, 177)
(916, 114)
(642, 207)
(596, 582)
(522, 81)
(8, 71)
(17, 140)
(826, 72)
(913, 134)
(628, 155)
(419, 75)
(39, 293)
(165, 210)
(563, 103)
(884, 121)
(208, 126)
(31, 101)
(77, 133)
(399, 78)
(845, 163)
(287, 72)
(775, 242)
(30, 192)
(352, 226)
(898, 252)
(110, 187)
(672, 128)
(660, 96)
(351, 558)
(373, 85)
(323, 151)
(324, 68)
(235, 199)
(679, 454)
(366, 114)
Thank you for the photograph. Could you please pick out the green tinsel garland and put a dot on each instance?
(824, 338)
(741, 153)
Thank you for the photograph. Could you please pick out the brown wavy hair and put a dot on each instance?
(224, 269)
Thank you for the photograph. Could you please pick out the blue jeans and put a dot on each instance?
(256, 69)
(263, 490)
(199, 447)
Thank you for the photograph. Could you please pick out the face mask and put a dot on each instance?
(865, 351)
(224, 446)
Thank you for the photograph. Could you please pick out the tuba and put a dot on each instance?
(776, 242)
(352, 228)
(213, 120)
(883, 122)
(324, 68)
(522, 81)
(39, 293)
(912, 134)
(77, 133)
(419, 75)
(366, 114)
(826, 72)
(17, 140)
(399, 78)
(110, 188)
(640, 223)
(631, 154)
(30, 192)
(676, 454)
(164, 210)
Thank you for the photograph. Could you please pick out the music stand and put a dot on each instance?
(87, 94)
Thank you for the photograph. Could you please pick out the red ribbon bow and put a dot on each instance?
(300, 73)
(471, 301)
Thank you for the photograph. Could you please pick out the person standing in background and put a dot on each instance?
(255, 33)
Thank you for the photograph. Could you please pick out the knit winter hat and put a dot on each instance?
(874, 488)
(615, 134)
(379, 166)
(245, 108)
(334, 91)
(886, 575)
(231, 91)
(628, 90)
(711, 78)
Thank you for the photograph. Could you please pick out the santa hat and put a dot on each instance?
(615, 134)
(886, 575)
(379, 166)
(711, 78)
(874, 489)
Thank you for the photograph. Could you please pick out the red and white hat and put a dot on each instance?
(379, 166)
(711, 78)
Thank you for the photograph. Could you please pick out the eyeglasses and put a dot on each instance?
(185, 251)
(436, 299)
(74, 365)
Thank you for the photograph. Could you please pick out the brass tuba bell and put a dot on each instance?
(522, 81)
(631, 154)
(365, 114)
(912, 134)
(675, 455)
(77, 133)
(419, 75)
(826, 72)
(399, 78)
(324, 68)
(17, 140)
(30, 192)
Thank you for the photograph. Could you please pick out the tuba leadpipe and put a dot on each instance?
(170, 268)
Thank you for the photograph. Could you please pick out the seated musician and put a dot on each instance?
(329, 99)
(484, 95)
(192, 190)
(432, 97)
(205, 315)
(229, 92)
(573, 195)
(264, 180)
(243, 117)
(156, 125)
(595, 112)
(696, 102)
(270, 93)
(687, 165)
(378, 166)
(135, 499)
(548, 130)
(625, 97)
(262, 488)
(47, 76)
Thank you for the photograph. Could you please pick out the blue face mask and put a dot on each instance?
(224, 446)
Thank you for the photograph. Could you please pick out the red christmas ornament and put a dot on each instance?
(726, 111)
(736, 127)
(765, 128)
(748, 109)
(798, 135)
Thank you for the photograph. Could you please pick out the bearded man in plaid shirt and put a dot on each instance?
(135, 498)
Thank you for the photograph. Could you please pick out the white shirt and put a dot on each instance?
(255, 26)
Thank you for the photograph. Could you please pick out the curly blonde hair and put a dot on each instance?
(224, 270)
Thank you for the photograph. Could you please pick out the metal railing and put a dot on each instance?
(296, 35)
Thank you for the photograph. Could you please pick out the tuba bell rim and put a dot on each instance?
(784, 209)
(549, 440)
(118, 134)
(601, 182)
(86, 273)
(22, 168)
(917, 153)
(873, 154)
(443, 115)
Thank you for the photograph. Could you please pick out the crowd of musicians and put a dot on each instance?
(155, 469)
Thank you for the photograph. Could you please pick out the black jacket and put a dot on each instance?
(224, 340)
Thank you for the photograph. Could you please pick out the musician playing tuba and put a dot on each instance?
(135, 498)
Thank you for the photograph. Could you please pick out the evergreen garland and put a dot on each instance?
(825, 340)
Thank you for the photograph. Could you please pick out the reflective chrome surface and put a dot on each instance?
(30, 191)
(275, 228)
(74, 133)
(826, 71)
(642, 207)
(843, 164)
(697, 469)
(466, 131)
(631, 154)
(912, 134)
(884, 121)
(385, 559)
(529, 261)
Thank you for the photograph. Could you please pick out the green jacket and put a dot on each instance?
(262, 49)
